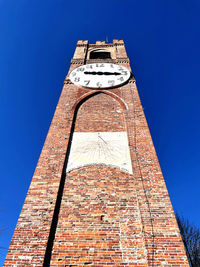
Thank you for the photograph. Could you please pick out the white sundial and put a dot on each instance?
(109, 148)
(99, 75)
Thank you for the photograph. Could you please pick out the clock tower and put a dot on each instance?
(98, 196)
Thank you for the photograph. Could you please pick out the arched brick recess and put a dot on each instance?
(98, 113)
(90, 94)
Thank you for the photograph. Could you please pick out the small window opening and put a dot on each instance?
(99, 54)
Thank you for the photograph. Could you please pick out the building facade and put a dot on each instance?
(98, 196)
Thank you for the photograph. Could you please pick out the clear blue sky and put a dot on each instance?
(37, 41)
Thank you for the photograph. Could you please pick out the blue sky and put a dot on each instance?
(37, 41)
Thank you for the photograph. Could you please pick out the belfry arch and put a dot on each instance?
(99, 54)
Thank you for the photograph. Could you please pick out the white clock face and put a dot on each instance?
(99, 75)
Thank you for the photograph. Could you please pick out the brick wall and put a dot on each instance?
(99, 222)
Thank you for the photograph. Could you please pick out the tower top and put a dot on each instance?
(103, 42)
(101, 50)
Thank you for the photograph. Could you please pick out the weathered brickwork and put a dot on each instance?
(97, 215)
(100, 222)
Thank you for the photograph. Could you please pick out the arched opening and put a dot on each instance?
(99, 54)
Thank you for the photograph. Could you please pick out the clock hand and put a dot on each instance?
(101, 73)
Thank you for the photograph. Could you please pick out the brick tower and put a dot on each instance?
(98, 196)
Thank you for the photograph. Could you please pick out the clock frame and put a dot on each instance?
(99, 75)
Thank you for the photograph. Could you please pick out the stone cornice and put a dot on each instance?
(119, 44)
(80, 45)
(77, 61)
(106, 60)
(67, 81)
(100, 45)
(122, 60)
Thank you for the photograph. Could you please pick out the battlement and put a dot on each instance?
(102, 42)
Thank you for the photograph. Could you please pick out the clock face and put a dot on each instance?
(99, 75)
